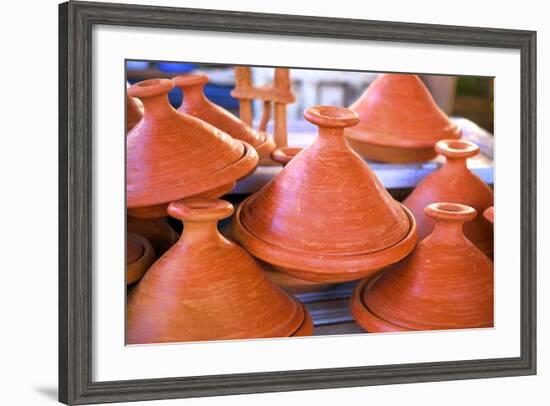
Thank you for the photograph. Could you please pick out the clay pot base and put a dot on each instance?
(138, 266)
(290, 283)
(160, 211)
(306, 329)
(326, 268)
(391, 154)
(371, 323)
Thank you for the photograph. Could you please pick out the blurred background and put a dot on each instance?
(470, 97)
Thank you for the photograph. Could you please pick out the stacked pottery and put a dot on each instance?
(139, 257)
(446, 283)
(325, 217)
(208, 288)
(196, 104)
(454, 183)
(172, 155)
(400, 121)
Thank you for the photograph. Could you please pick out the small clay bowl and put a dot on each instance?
(140, 256)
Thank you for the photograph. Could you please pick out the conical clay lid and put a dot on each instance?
(196, 104)
(326, 202)
(398, 111)
(171, 155)
(208, 288)
(445, 283)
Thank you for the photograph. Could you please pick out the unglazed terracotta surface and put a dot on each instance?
(400, 121)
(196, 104)
(155, 230)
(446, 283)
(139, 257)
(454, 183)
(172, 155)
(284, 155)
(208, 288)
(134, 112)
(325, 217)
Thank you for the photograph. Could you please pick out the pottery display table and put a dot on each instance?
(392, 176)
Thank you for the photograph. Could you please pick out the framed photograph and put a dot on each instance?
(259, 202)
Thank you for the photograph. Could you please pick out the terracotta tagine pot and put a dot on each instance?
(288, 282)
(325, 217)
(139, 257)
(446, 283)
(196, 104)
(134, 112)
(157, 231)
(454, 183)
(172, 155)
(400, 121)
(489, 214)
(208, 288)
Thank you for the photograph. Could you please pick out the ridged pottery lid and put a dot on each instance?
(208, 288)
(397, 110)
(196, 104)
(171, 155)
(324, 205)
(445, 283)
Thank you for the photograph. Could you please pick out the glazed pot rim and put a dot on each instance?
(324, 263)
(363, 134)
(171, 192)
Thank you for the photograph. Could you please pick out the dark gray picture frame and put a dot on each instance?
(76, 20)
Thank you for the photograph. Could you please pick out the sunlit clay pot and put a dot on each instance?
(446, 283)
(325, 217)
(489, 214)
(157, 231)
(208, 288)
(454, 183)
(172, 155)
(139, 257)
(400, 121)
(196, 104)
(134, 112)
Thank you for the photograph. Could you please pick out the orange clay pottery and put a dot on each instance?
(446, 283)
(454, 183)
(139, 257)
(172, 155)
(400, 121)
(325, 217)
(284, 155)
(134, 112)
(489, 214)
(208, 288)
(288, 282)
(196, 104)
(157, 231)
